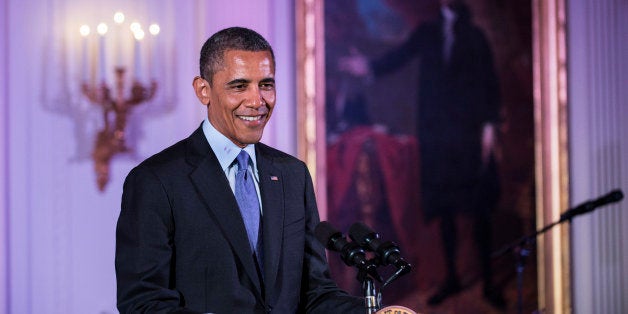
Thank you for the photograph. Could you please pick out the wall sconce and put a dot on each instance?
(126, 92)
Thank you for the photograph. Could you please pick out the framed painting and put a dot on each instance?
(441, 126)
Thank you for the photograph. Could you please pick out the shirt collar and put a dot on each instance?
(226, 151)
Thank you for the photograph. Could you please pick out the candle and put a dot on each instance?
(102, 30)
(84, 30)
(139, 35)
(118, 19)
(153, 57)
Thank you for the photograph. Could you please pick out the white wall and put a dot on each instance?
(60, 235)
(598, 106)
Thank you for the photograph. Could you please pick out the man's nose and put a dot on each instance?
(257, 99)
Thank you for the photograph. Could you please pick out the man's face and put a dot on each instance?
(242, 96)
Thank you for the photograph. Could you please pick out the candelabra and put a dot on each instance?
(110, 140)
(116, 102)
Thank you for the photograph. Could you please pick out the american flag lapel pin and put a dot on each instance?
(274, 178)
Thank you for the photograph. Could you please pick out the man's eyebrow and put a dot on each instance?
(239, 81)
(245, 81)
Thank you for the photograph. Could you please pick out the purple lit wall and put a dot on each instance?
(4, 202)
(598, 106)
(57, 232)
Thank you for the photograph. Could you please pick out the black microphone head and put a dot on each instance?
(616, 195)
(388, 252)
(611, 197)
(351, 253)
(325, 233)
(361, 233)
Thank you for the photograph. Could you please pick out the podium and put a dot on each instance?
(396, 309)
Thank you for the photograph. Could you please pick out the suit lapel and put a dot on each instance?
(271, 188)
(213, 188)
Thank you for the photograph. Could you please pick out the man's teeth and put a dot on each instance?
(250, 118)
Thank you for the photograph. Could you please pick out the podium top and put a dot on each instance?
(396, 309)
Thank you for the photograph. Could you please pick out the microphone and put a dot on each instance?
(388, 252)
(611, 197)
(350, 252)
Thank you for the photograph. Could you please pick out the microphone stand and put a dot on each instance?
(519, 247)
(371, 299)
(353, 255)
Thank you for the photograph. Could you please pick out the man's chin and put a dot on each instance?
(250, 139)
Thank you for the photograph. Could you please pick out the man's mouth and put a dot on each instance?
(251, 118)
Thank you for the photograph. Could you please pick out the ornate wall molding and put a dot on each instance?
(550, 98)
(311, 93)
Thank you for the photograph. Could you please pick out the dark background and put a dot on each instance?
(388, 105)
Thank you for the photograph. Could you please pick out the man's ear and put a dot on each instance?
(202, 89)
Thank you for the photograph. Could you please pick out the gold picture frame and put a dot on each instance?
(550, 128)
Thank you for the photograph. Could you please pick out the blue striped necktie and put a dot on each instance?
(246, 196)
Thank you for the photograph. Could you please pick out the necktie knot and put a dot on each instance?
(243, 160)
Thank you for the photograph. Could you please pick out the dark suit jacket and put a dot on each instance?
(181, 244)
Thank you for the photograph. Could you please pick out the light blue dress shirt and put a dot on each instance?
(226, 152)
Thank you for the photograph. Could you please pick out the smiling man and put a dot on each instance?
(219, 222)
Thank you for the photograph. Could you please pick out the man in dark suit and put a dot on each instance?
(183, 244)
(457, 116)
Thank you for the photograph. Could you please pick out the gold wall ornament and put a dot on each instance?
(116, 101)
(110, 140)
